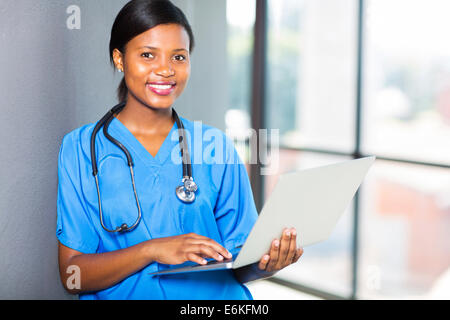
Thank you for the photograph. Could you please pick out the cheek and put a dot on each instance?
(183, 78)
(134, 68)
(140, 71)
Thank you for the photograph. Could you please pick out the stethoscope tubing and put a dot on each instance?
(185, 192)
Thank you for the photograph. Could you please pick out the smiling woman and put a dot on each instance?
(156, 65)
(133, 33)
(151, 43)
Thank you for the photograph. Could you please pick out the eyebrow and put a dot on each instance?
(154, 48)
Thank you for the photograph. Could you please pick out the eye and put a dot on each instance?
(147, 55)
(180, 57)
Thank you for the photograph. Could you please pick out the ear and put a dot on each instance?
(118, 59)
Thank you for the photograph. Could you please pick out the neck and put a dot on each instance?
(143, 119)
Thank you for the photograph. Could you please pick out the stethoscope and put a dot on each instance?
(185, 192)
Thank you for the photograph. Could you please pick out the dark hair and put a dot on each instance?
(138, 16)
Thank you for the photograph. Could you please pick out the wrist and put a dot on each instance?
(149, 251)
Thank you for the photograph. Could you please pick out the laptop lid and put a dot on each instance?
(312, 201)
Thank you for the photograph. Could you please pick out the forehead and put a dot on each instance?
(163, 36)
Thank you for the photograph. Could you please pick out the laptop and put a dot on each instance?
(311, 201)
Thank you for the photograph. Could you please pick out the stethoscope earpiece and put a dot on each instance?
(122, 228)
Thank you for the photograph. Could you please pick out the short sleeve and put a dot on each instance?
(235, 209)
(74, 227)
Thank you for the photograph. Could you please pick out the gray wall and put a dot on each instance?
(54, 80)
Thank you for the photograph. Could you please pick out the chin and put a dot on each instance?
(159, 105)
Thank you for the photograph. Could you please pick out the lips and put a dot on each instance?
(162, 88)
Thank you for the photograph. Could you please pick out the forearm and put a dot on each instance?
(103, 270)
(251, 272)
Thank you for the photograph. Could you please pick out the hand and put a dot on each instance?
(186, 247)
(283, 252)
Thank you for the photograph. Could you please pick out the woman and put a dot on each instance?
(151, 43)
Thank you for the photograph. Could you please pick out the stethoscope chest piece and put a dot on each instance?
(184, 195)
(186, 192)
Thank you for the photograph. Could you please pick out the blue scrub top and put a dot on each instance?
(224, 209)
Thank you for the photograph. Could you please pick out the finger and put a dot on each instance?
(214, 245)
(284, 249)
(207, 251)
(298, 254)
(292, 247)
(196, 258)
(273, 253)
(263, 262)
(220, 249)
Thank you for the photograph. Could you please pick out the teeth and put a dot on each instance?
(161, 87)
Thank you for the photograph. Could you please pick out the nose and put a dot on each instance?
(165, 70)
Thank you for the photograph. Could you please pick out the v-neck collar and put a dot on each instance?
(134, 144)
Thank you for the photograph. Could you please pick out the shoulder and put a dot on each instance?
(80, 134)
(76, 144)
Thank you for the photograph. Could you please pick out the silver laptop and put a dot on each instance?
(311, 201)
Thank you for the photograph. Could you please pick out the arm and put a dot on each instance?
(103, 270)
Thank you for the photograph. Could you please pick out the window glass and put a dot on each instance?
(311, 72)
(241, 20)
(407, 79)
(405, 239)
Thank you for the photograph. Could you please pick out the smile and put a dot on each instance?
(161, 89)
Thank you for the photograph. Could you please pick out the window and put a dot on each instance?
(351, 78)
(310, 70)
(407, 80)
(405, 225)
(241, 20)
